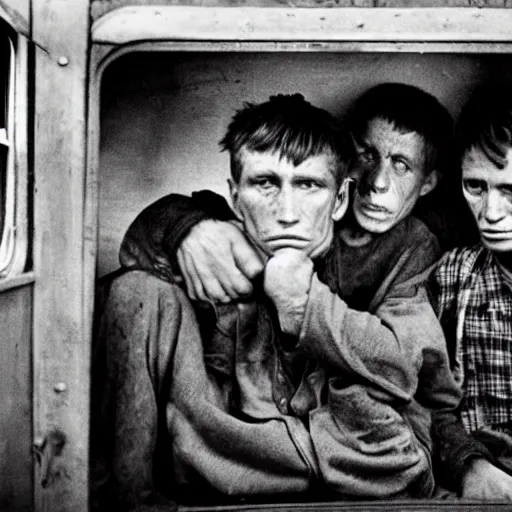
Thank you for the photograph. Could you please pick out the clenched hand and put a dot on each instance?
(286, 281)
(217, 262)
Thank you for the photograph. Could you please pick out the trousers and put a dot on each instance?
(163, 419)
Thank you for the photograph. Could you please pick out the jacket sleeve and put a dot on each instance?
(455, 447)
(391, 347)
(153, 238)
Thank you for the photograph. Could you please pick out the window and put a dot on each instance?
(8, 181)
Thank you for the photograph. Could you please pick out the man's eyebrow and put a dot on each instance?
(262, 172)
(305, 175)
(404, 156)
(311, 177)
(401, 154)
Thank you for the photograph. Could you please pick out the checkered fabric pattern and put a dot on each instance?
(474, 305)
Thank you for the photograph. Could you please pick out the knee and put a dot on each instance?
(138, 291)
(141, 308)
(140, 322)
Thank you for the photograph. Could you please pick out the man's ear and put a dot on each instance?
(342, 200)
(233, 192)
(430, 183)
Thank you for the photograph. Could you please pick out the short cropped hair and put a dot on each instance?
(291, 126)
(486, 123)
(409, 109)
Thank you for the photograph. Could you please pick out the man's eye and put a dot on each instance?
(401, 167)
(474, 187)
(307, 184)
(264, 183)
(507, 191)
(366, 156)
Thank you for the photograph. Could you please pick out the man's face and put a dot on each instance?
(488, 191)
(287, 206)
(390, 174)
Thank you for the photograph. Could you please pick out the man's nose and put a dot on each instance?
(376, 178)
(494, 207)
(288, 207)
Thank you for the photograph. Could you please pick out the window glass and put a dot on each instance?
(7, 171)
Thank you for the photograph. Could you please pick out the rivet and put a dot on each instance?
(38, 442)
(60, 387)
(63, 61)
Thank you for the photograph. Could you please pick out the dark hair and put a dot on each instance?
(486, 122)
(409, 109)
(287, 124)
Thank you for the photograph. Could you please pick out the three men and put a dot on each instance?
(320, 380)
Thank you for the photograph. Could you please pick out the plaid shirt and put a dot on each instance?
(474, 305)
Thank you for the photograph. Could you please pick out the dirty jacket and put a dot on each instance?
(355, 389)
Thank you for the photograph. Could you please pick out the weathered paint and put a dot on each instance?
(61, 340)
(101, 7)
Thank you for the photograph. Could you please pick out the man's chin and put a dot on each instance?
(502, 246)
(373, 225)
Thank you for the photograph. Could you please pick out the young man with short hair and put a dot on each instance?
(472, 292)
(196, 398)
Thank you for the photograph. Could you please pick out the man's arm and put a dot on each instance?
(388, 347)
(380, 360)
(387, 354)
(217, 262)
(196, 238)
(464, 464)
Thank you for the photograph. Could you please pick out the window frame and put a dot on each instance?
(14, 241)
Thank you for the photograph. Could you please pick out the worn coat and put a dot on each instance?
(345, 407)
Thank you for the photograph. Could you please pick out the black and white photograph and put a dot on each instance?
(256, 255)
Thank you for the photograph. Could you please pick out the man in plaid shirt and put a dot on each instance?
(472, 293)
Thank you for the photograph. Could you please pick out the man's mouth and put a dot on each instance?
(286, 237)
(277, 242)
(374, 208)
(491, 234)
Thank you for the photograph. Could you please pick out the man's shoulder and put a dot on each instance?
(463, 257)
(460, 262)
(417, 230)
(412, 234)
